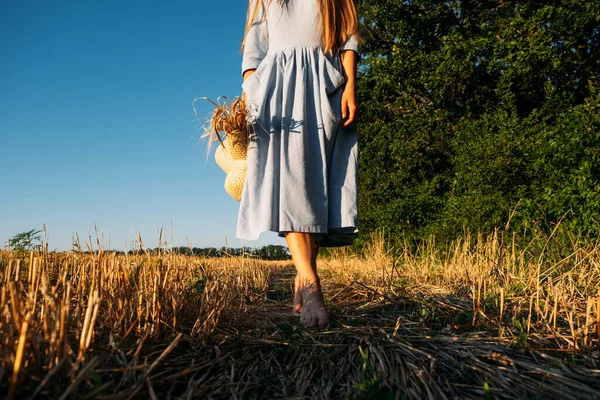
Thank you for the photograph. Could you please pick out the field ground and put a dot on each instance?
(480, 320)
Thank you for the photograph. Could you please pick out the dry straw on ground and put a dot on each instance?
(485, 318)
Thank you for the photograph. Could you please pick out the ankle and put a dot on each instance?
(308, 280)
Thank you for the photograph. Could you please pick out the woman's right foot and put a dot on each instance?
(313, 310)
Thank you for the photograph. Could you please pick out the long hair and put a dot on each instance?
(338, 19)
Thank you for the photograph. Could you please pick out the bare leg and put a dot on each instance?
(297, 292)
(297, 295)
(308, 288)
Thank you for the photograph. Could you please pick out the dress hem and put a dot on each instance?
(334, 237)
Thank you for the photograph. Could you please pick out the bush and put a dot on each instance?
(469, 109)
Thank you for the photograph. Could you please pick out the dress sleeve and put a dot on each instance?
(351, 44)
(257, 43)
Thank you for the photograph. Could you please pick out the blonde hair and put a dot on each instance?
(338, 19)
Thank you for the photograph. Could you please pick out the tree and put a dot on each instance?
(469, 108)
(272, 252)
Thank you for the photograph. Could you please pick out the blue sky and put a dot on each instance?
(96, 119)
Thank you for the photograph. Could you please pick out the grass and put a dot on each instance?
(484, 318)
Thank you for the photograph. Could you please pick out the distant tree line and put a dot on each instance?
(25, 242)
(473, 109)
(269, 252)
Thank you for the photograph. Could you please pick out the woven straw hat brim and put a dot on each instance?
(223, 157)
(238, 146)
(234, 183)
(235, 168)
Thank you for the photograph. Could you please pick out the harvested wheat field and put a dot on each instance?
(484, 318)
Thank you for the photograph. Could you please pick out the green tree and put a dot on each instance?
(272, 252)
(471, 107)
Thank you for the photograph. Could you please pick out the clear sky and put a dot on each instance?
(96, 119)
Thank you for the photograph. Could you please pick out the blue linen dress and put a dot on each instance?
(302, 164)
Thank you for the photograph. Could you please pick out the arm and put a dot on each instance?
(349, 60)
(248, 72)
(246, 75)
(256, 43)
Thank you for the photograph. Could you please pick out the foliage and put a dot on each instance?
(25, 241)
(268, 252)
(272, 252)
(473, 109)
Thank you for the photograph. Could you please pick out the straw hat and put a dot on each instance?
(232, 160)
(229, 126)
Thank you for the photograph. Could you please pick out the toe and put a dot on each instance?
(323, 321)
(308, 319)
(303, 318)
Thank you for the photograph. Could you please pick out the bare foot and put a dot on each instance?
(297, 295)
(314, 313)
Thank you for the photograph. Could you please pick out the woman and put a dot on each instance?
(299, 68)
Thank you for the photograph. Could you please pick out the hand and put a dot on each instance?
(349, 108)
(247, 74)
